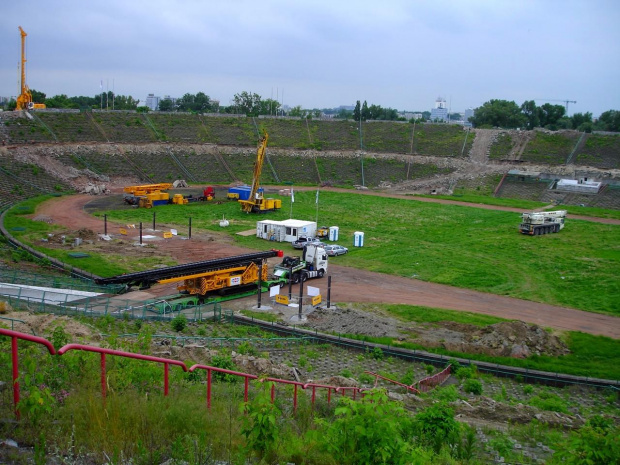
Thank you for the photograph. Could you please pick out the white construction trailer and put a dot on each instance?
(285, 231)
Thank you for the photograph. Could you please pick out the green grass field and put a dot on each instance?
(448, 244)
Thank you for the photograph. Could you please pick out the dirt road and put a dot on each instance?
(353, 285)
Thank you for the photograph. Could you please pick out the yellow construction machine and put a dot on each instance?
(148, 195)
(24, 99)
(256, 202)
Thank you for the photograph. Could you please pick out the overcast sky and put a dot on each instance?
(321, 53)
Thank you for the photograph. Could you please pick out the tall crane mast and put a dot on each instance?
(256, 202)
(24, 100)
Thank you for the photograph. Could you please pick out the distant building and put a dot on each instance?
(152, 102)
(440, 112)
(469, 113)
(408, 115)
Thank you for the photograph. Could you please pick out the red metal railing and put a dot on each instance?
(406, 386)
(166, 362)
(437, 379)
(14, 335)
(296, 385)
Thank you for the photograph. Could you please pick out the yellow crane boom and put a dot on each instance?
(256, 202)
(24, 100)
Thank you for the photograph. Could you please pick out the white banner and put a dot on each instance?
(273, 291)
(312, 291)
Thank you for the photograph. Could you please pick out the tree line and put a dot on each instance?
(507, 114)
(494, 113)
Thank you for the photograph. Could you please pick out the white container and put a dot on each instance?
(358, 239)
(333, 233)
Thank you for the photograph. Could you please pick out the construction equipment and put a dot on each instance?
(148, 195)
(322, 232)
(256, 203)
(208, 194)
(537, 223)
(221, 275)
(24, 99)
(312, 264)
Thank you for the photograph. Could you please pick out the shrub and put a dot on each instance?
(548, 401)
(179, 323)
(245, 348)
(447, 394)
(436, 426)
(225, 362)
(367, 431)
(528, 389)
(473, 386)
(365, 378)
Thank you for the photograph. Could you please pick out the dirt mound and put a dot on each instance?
(507, 339)
(348, 320)
(43, 324)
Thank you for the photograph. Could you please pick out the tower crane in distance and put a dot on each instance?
(24, 100)
(565, 102)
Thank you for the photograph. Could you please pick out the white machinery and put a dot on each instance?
(313, 264)
(537, 223)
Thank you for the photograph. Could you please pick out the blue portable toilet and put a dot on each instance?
(358, 239)
(333, 233)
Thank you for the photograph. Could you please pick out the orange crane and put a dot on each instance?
(24, 100)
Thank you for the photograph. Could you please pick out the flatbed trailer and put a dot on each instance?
(223, 276)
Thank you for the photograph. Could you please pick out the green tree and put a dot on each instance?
(549, 115)
(499, 113)
(357, 112)
(269, 107)
(60, 101)
(609, 121)
(530, 110)
(166, 105)
(365, 111)
(37, 97)
(247, 103)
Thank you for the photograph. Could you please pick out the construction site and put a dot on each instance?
(138, 235)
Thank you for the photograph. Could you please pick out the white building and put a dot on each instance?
(152, 102)
(285, 231)
(440, 112)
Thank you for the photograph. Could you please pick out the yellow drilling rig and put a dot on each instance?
(24, 100)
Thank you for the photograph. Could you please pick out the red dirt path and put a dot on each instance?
(353, 285)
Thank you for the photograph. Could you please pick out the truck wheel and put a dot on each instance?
(321, 273)
(304, 277)
(295, 278)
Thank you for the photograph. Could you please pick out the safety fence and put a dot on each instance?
(354, 392)
(79, 303)
(62, 282)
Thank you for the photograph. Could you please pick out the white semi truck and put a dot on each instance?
(312, 264)
(537, 223)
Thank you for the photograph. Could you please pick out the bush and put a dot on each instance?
(473, 386)
(447, 394)
(179, 323)
(550, 402)
(466, 373)
(225, 362)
